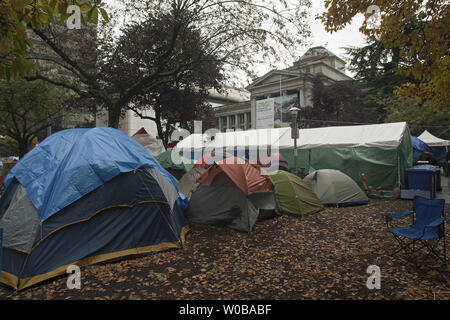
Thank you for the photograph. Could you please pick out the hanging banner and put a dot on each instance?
(282, 105)
(264, 113)
(274, 112)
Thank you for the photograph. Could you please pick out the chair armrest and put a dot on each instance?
(436, 222)
(398, 215)
(433, 224)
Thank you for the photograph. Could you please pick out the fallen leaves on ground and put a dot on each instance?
(320, 256)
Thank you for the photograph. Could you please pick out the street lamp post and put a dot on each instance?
(294, 135)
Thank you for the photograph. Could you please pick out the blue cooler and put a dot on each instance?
(423, 178)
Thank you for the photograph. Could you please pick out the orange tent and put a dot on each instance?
(244, 175)
(232, 192)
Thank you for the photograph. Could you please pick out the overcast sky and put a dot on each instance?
(335, 42)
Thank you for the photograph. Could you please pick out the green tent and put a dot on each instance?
(382, 152)
(335, 188)
(174, 163)
(294, 195)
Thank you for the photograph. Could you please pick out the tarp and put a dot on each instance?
(71, 163)
(130, 214)
(432, 140)
(419, 146)
(293, 195)
(387, 135)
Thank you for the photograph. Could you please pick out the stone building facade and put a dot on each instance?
(295, 80)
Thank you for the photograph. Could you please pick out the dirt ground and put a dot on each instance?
(320, 256)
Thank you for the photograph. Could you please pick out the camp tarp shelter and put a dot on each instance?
(149, 142)
(175, 163)
(418, 147)
(233, 194)
(433, 141)
(293, 195)
(85, 196)
(335, 188)
(438, 146)
(381, 151)
(188, 183)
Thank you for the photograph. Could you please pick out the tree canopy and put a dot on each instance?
(376, 69)
(27, 108)
(336, 103)
(180, 99)
(232, 34)
(16, 15)
(418, 28)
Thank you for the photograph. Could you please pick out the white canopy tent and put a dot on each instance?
(432, 140)
(378, 135)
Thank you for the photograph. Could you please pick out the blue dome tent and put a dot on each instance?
(85, 196)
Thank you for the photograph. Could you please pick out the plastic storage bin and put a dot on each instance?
(423, 178)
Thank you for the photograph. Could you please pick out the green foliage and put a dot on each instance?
(183, 38)
(418, 28)
(8, 147)
(377, 68)
(17, 15)
(419, 116)
(337, 103)
(27, 108)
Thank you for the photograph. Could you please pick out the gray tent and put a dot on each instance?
(152, 144)
(335, 188)
(188, 183)
(222, 202)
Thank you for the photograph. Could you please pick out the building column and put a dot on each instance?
(253, 111)
(301, 96)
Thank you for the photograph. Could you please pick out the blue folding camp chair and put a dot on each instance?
(426, 231)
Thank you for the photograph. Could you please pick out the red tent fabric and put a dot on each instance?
(266, 160)
(140, 131)
(172, 144)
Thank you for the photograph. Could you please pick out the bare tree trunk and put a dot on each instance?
(114, 113)
(23, 147)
